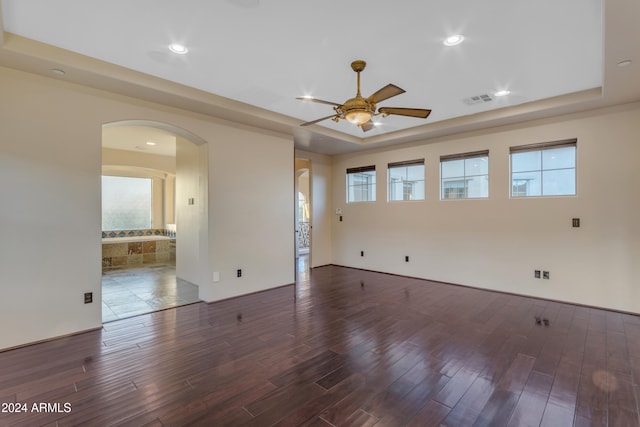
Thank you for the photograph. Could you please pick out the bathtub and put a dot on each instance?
(136, 251)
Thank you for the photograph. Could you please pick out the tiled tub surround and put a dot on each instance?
(170, 231)
(124, 252)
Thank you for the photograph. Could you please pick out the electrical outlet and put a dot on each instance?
(361, 253)
(239, 272)
(545, 275)
(576, 222)
(88, 297)
(536, 274)
(406, 258)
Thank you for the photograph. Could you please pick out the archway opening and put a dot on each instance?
(154, 217)
(303, 219)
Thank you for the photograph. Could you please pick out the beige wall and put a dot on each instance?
(170, 200)
(255, 222)
(165, 164)
(50, 192)
(50, 167)
(191, 183)
(497, 243)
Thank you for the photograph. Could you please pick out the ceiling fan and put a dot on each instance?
(360, 110)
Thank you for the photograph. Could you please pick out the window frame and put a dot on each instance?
(406, 164)
(371, 186)
(540, 147)
(464, 177)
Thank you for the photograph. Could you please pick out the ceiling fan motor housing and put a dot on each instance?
(358, 103)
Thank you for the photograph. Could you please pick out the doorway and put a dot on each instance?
(303, 218)
(141, 257)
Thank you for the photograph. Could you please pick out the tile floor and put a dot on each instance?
(133, 291)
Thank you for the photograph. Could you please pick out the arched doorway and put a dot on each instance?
(303, 217)
(157, 268)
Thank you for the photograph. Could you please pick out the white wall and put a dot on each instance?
(251, 210)
(50, 193)
(191, 182)
(50, 167)
(322, 216)
(497, 243)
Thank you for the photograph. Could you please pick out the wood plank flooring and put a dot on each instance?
(342, 347)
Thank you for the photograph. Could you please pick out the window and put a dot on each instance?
(406, 180)
(126, 203)
(464, 176)
(547, 169)
(454, 190)
(303, 207)
(361, 184)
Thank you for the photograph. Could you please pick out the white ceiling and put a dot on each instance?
(551, 55)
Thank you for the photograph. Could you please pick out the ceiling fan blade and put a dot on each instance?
(319, 101)
(410, 112)
(385, 93)
(367, 126)
(319, 120)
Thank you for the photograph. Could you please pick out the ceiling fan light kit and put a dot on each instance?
(360, 110)
(358, 117)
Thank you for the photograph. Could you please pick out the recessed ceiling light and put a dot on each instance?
(151, 143)
(453, 40)
(58, 71)
(306, 97)
(624, 63)
(178, 48)
(502, 93)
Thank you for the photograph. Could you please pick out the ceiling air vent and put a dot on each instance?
(478, 99)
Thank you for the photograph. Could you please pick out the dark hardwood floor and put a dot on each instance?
(345, 348)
